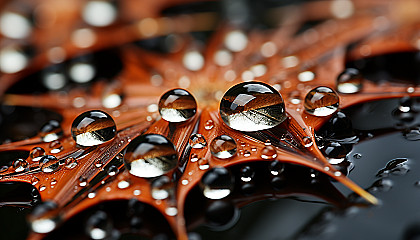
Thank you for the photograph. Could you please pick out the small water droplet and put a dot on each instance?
(307, 141)
(93, 128)
(252, 106)
(136, 192)
(171, 211)
(194, 157)
(247, 153)
(321, 101)
(83, 182)
(3, 168)
(203, 164)
(36, 154)
(276, 168)
(123, 184)
(70, 163)
(217, 183)
(350, 81)
(397, 166)
(49, 164)
(91, 195)
(98, 225)
(56, 147)
(268, 152)
(223, 147)
(357, 156)
(161, 188)
(209, 124)
(20, 165)
(382, 185)
(197, 141)
(247, 173)
(412, 134)
(98, 163)
(34, 181)
(177, 105)
(42, 188)
(51, 131)
(150, 155)
(112, 170)
(184, 182)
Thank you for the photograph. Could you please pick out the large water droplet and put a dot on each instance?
(49, 164)
(93, 128)
(161, 187)
(98, 225)
(197, 141)
(221, 215)
(252, 106)
(321, 101)
(150, 155)
(217, 183)
(276, 168)
(177, 105)
(223, 147)
(51, 131)
(349, 81)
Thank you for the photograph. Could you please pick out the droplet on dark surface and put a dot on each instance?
(150, 155)
(177, 105)
(252, 106)
(93, 128)
(221, 215)
(217, 183)
(51, 131)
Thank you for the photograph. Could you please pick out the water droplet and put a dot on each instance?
(36, 154)
(357, 156)
(276, 168)
(221, 215)
(184, 182)
(53, 182)
(150, 155)
(412, 134)
(193, 60)
(349, 81)
(161, 188)
(177, 105)
(56, 147)
(236, 41)
(70, 163)
(268, 152)
(197, 141)
(15, 25)
(306, 76)
(51, 131)
(42, 188)
(4, 168)
(217, 183)
(91, 195)
(136, 192)
(112, 170)
(93, 128)
(98, 163)
(203, 164)
(336, 150)
(223, 147)
(247, 173)
(247, 153)
(34, 181)
(209, 124)
(252, 106)
(83, 182)
(20, 165)
(99, 13)
(321, 101)
(123, 184)
(171, 211)
(397, 166)
(307, 141)
(98, 225)
(194, 157)
(382, 185)
(49, 164)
